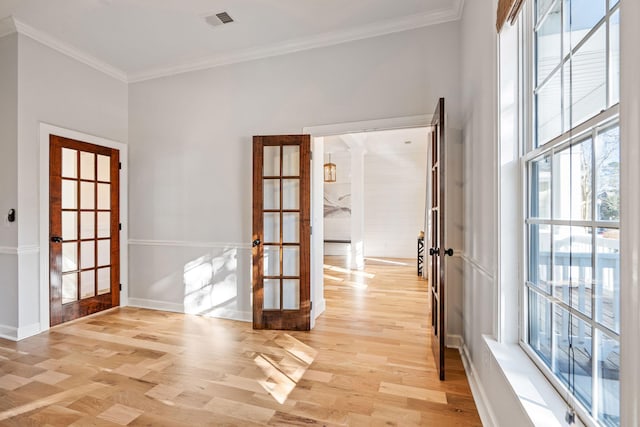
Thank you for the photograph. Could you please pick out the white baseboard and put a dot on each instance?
(243, 316)
(319, 307)
(9, 333)
(454, 341)
(29, 331)
(479, 396)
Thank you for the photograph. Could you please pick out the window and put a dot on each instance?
(572, 288)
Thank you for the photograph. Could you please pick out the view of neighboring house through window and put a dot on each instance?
(572, 291)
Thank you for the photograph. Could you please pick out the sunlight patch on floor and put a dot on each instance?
(347, 271)
(387, 261)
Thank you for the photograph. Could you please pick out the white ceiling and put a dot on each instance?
(139, 39)
(385, 142)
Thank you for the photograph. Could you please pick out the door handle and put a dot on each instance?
(448, 252)
(256, 242)
(56, 239)
(434, 251)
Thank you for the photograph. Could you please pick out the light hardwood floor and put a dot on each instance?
(367, 363)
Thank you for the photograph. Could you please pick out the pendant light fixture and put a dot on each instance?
(329, 171)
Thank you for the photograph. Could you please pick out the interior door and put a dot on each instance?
(84, 220)
(437, 251)
(281, 232)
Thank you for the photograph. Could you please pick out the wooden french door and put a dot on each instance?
(281, 232)
(437, 252)
(84, 221)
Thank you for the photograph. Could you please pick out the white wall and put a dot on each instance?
(58, 90)
(8, 182)
(190, 136)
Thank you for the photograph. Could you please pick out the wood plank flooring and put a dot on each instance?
(367, 363)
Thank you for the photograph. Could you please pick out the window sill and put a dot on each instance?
(540, 401)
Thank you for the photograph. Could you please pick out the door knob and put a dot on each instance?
(56, 239)
(256, 242)
(449, 252)
(434, 251)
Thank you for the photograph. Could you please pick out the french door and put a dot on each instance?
(437, 252)
(84, 248)
(281, 232)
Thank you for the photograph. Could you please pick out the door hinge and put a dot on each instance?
(120, 286)
(119, 165)
(311, 229)
(311, 154)
(120, 226)
(311, 305)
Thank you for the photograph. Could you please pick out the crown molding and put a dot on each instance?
(411, 22)
(68, 50)
(7, 26)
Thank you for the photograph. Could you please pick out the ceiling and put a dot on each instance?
(141, 39)
(386, 142)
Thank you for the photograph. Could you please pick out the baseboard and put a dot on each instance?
(155, 305)
(242, 316)
(479, 396)
(454, 341)
(9, 333)
(29, 331)
(320, 307)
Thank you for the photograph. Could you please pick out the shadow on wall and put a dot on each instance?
(211, 284)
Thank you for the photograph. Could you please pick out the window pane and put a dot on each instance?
(540, 256)
(608, 175)
(291, 227)
(271, 161)
(69, 257)
(572, 269)
(541, 8)
(104, 252)
(608, 380)
(69, 225)
(69, 194)
(572, 177)
(291, 294)
(88, 254)
(69, 163)
(87, 284)
(576, 360)
(291, 160)
(614, 55)
(87, 165)
(549, 110)
(548, 53)
(69, 287)
(585, 77)
(539, 334)
(271, 227)
(271, 189)
(104, 224)
(291, 260)
(271, 260)
(87, 225)
(580, 16)
(608, 278)
(104, 168)
(541, 188)
(290, 193)
(104, 280)
(271, 292)
(104, 196)
(87, 195)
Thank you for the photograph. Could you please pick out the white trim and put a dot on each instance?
(476, 264)
(27, 249)
(320, 307)
(454, 341)
(156, 305)
(9, 332)
(487, 416)
(7, 26)
(454, 13)
(27, 331)
(188, 244)
(46, 130)
(423, 120)
(8, 250)
(69, 51)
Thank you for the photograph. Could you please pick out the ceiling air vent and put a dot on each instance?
(219, 19)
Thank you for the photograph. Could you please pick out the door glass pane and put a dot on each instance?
(541, 188)
(271, 163)
(104, 196)
(291, 160)
(548, 46)
(572, 270)
(291, 294)
(104, 252)
(69, 257)
(69, 225)
(87, 225)
(572, 178)
(87, 284)
(290, 193)
(549, 110)
(104, 280)
(69, 287)
(588, 72)
(608, 380)
(271, 227)
(608, 278)
(87, 195)
(291, 227)
(540, 326)
(271, 189)
(104, 168)
(104, 224)
(582, 335)
(87, 165)
(69, 194)
(271, 260)
(291, 260)
(87, 254)
(614, 54)
(69, 163)
(540, 256)
(608, 175)
(271, 299)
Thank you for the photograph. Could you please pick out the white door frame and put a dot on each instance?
(45, 131)
(317, 191)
